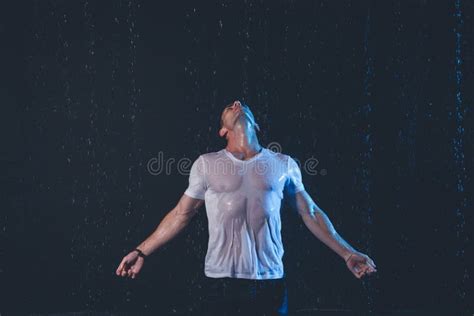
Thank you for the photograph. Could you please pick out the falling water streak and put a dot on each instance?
(78, 238)
(366, 158)
(132, 91)
(92, 189)
(191, 69)
(458, 147)
(247, 18)
(135, 156)
(263, 101)
(213, 102)
(254, 21)
(285, 45)
(407, 134)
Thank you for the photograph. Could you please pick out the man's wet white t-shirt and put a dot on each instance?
(243, 200)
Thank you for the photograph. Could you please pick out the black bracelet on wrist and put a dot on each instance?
(140, 253)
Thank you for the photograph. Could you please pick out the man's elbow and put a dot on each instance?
(310, 212)
(187, 207)
(306, 211)
(184, 213)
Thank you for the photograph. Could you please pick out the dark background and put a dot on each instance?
(379, 93)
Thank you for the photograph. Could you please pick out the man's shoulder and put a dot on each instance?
(278, 155)
(211, 155)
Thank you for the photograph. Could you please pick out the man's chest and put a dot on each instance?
(258, 178)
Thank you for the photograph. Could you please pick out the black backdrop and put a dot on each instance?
(376, 96)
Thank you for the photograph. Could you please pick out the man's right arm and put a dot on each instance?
(173, 223)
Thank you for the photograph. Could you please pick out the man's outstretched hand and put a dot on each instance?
(360, 264)
(130, 266)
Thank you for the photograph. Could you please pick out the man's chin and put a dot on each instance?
(242, 123)
(239, 118)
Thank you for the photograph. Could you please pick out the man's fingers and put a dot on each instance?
(368, 271)
(370, 262)
(371, 268)
(363, 268)
(126, 269)
(122, 265)
(119, 267)
(368, 265)
(132, 271)
(355, 272)
(358, 271)
(365, 271)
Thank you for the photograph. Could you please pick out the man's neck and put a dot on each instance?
(244, 152)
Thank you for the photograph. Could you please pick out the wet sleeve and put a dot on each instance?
(294, 181)
(197, 181)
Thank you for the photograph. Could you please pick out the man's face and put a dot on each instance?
(232, 114)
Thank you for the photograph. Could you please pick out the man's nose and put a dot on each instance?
(236, 105)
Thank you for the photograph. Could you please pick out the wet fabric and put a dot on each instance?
(243, 201)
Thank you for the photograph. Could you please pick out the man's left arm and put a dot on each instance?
(321, 227)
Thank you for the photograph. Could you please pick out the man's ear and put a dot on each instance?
(223, 131)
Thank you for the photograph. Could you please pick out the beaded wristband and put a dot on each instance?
(140, 253)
